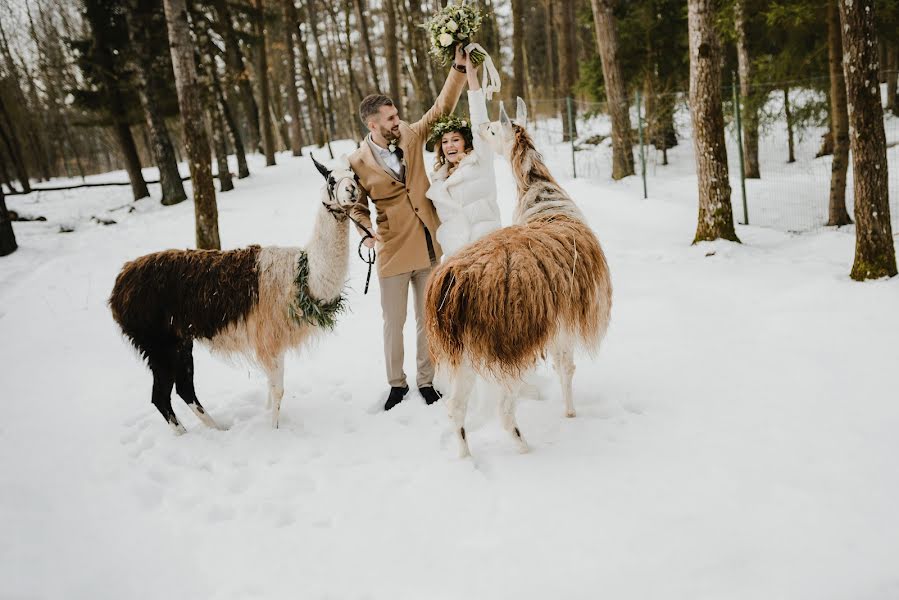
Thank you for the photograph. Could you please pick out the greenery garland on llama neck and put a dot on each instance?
(309, 310)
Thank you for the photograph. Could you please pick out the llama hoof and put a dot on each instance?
(570, 413)
(523, 448)
(464, 452)
(178, 428)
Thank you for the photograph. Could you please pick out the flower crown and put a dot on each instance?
(445, 124)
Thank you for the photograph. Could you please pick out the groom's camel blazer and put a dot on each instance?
(403, 210)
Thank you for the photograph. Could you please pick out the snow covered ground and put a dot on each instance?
(736, 437)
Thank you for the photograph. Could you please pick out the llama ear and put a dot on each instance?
(321, 168)
(344, 162)
(521, 111)
(504, 120)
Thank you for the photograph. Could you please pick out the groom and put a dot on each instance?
(391, 171)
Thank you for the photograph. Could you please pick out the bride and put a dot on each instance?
(463, 186)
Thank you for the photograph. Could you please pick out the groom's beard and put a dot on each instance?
(391, 135)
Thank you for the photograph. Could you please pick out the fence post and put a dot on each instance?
(571, 135)
(642, 152)
(740, 145)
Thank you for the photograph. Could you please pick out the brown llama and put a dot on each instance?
(540, 286)
(258, 302)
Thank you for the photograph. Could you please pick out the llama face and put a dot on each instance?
(499, 134)
(342, 186)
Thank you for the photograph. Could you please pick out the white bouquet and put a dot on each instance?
(453, 25)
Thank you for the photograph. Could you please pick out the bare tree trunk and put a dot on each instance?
(875, 255)
(390, 51)
(293, 98)
(791, 158)
(616, 94)
(750, 98)
(567, 64)
(238, 75)
(195, 138)
(268, 134)
(13, 148)
(892, 77)
(216, 128)
(8, 243)
(128, 149)
(142, 19)
(313, 97)
(715, 213)
(518, 77)
(362, 20)
(839, 121)
(242, 169)
(552, 58)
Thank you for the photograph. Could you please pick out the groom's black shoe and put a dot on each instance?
(430, 394)
(395, 397)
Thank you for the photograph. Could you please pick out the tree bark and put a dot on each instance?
(362, 20)
(791, 156)
(313, 96)
(128, 148)
(217, 129)
(875, 255)
(242, 169)
(839, 121)
(567, 64)
(141, 22)
(7, 236)
(268, 134)
(13, 148)
(390, 52)
(892, 77)
(239, 75)
(750, 98)
(715, 213)
(616, 94)
(293, 98)
(518, 35)
(196, 141)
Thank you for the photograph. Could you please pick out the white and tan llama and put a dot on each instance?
(538, 287)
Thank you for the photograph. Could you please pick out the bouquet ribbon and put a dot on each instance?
(491, 82)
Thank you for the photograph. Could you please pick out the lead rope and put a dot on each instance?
(371, 251)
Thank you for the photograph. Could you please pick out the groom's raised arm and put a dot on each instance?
(444, 105)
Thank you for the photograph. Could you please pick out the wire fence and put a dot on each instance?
(793, 190)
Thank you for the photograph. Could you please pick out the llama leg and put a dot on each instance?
(184, 383)
(461, 385)
(507, 416)
(275, 374)
(162, 366)
(563, 363)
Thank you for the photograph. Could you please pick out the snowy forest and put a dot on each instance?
(675, 232)
(89, 87)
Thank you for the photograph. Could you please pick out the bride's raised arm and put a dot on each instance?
(477, 107)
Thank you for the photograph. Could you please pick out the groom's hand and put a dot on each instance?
(369, 242)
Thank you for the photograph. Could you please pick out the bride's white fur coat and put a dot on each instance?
(466, 199)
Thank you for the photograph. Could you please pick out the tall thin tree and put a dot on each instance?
(196, 141)
(8, 243)
(839, 120)
(293, 98)
(748, 94)
(616, 93)
(268, 134)
(715, 213)
(875, 255)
